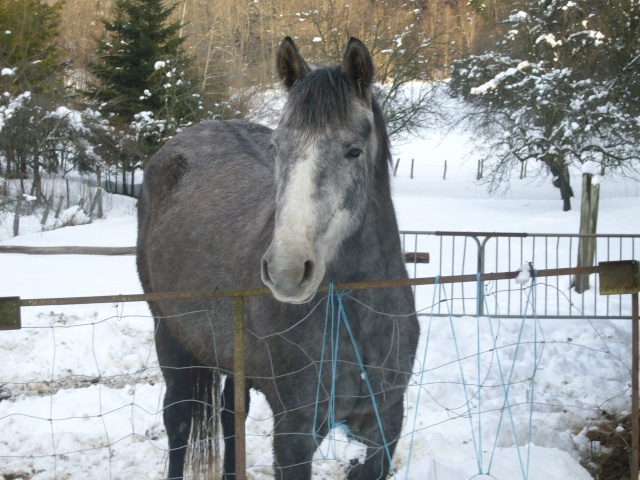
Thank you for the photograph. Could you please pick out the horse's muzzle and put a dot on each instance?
(292, 277)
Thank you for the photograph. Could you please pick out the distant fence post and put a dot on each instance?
(59, 207)
(395, 170)
(16, 217)
(47, 209)
(100, 211)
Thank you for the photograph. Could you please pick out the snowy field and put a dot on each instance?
(81, 393)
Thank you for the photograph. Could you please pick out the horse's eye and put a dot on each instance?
(272, 149)
(354, 153)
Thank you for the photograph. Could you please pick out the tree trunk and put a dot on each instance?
(124, 178)
(37, 181)
(588, 225)
(561, 180)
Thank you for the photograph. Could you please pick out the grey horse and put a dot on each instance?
(234, 205)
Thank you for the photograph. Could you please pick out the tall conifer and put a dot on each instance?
(140, 66)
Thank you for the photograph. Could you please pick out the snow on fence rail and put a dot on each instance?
(496, 394)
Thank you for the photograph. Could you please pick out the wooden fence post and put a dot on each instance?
(588, 225)
(59, 207)
(47, 209)
(99, 194)
(16, 217)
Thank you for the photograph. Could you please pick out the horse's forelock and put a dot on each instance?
(323, 99)
(319, 100)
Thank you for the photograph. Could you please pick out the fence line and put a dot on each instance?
(255, 292)
(238, 309)
(442, 253)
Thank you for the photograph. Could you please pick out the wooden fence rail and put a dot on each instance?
(68, 250)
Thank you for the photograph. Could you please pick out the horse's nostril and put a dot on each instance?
(265, 272)
(308, 271)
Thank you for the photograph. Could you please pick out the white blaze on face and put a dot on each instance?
(292, 267)
(296, 216)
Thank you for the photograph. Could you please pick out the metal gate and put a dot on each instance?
(463, 253)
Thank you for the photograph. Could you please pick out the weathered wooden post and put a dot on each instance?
(59, 207)
(588, 226)
(47, 210)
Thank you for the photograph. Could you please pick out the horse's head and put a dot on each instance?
(325, 147)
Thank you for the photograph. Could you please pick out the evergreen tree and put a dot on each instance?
(141, 67)
(30, 59)
(143, 82)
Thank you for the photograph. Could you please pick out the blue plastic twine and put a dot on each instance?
(424, 367)
(506, 385)
(335, 336)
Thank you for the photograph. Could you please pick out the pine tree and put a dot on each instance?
(143, 82)
(30, 59)
(141, 66)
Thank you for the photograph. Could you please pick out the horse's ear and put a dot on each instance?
(358, 66)
(290, 64)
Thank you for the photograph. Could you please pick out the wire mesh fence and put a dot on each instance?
(81, 393)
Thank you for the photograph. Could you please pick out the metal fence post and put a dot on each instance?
(623, 277)
(239, 387)
(480, 308)
(635, 424)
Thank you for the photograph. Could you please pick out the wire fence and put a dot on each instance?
(81, 391)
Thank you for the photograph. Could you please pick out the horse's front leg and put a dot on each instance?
(294, 446)
(366, 429)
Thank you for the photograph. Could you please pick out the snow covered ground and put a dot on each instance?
(81, 392)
